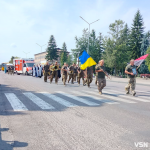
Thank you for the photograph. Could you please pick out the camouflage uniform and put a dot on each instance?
(100, 77)
(46, 70)
(64, 74)
(132, 79)
(54, 73)
(89, 76)
(80, 75)
(71, 68)
(75, 73)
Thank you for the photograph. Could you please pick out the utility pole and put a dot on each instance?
(41, 49)
(26, 53)
(89, 31)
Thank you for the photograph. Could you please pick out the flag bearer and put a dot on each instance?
(131, 71)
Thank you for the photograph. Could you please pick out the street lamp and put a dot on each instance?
(41, 49)
(26, 53)
(89, 30)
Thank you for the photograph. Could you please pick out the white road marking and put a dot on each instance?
(95, 98)
(126, 96)
(59, 100)
(143, 91)
(16, 104)
(38, 101)
(111, 97)
(78, 99)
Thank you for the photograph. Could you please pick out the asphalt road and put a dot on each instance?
(41, 116)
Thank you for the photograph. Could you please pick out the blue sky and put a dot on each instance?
(23, 23)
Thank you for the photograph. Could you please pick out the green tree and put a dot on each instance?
(63, 56)
(96, 46)
(144, 46)
(11, 60)
(136, 37)
(69, 60)
(148, 59)
(51, 50)
(116, 47)
(81, 43)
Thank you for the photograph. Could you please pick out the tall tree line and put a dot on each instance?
(52, 53)
(120, 45)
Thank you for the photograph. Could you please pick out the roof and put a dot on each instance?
(58, 49)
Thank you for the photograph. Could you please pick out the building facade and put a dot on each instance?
(40, 57)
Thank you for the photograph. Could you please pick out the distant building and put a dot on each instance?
(40, 57)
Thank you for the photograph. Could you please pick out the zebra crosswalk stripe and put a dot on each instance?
(134, 98)
(111, 97)
(38, 101)
(95, 98)
(16, 104)
(59, 100)
(78, 99)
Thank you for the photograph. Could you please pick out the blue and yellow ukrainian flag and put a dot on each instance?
(86, 60)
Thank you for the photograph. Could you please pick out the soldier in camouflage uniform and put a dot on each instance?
(64, 72)
(89, 75)
(46, 70)
(71, 73)
(80, 75)
(55, 73)
(100, 69)
(75, 72)
(131, 71)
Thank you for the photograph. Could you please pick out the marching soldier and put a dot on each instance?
(55, 73)
(75, 72)
(131, 71)
(50, 71)
(89, 75)
(80, 75)
(64, 72)
(46, 70)
(100, 69)
(71, 73)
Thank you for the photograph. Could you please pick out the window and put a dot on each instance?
(30, 64)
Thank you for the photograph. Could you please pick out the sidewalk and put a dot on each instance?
(139, 81)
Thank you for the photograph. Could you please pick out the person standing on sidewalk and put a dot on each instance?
(100, 69)
(131, 71)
